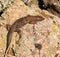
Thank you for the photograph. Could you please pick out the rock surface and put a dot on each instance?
(39, 39)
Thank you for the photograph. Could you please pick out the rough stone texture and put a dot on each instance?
(5, 3)
(46, 32)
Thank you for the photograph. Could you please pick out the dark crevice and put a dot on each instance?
(38, 46)
(41, 4)
(13, 52)
(1, 13)
(54, 8)
(51, 8)
(2, 8)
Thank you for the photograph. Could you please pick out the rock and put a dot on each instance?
(45, 33)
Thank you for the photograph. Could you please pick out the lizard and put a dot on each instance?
(20, 23)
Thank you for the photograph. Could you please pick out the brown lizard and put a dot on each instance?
(20, 23)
